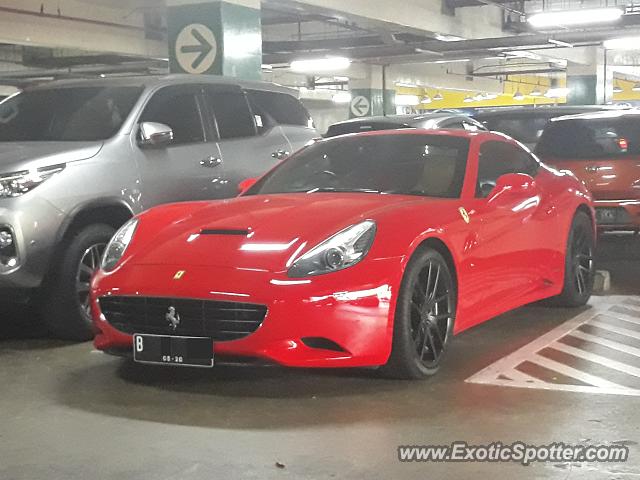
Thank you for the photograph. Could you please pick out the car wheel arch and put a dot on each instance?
(439, 246)
(583, 207)
(111, 212)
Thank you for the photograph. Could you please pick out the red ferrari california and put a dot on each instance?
(361, 250)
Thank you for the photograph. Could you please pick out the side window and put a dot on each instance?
(178, 108)
(282, 108)
(232, 114)
(499, 158)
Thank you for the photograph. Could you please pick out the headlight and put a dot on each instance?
(343, 250)
(118, 245)
(18, 183)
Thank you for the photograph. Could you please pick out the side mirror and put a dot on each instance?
(154, 134)
(246, 184)
(512, 183)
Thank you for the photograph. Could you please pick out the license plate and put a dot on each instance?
(173, 350)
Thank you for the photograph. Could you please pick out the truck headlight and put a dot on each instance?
(118, 245)
(18, 183)
(343, 250)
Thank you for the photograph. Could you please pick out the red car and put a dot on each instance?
(603, 150)
(360, 250)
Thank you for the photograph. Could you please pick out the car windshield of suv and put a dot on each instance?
(591, 138)
(66, 114)
(429, 165)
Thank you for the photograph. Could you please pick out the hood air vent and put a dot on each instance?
(224, 231)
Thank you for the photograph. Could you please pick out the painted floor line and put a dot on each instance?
(621, 347)
(593, 357)
(574, 373)
(581, 359)
(619, 330)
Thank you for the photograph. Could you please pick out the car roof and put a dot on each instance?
(426, 132)
(543, 110)
(152, 81)
(403, 119)
(600, 115)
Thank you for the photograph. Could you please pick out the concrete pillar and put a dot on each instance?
(215, 37)
(371, 95)
(592, 83)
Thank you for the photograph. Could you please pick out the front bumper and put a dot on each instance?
(625, 214)
(35, 224)
(351, 308)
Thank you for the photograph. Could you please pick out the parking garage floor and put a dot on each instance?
(69, 412)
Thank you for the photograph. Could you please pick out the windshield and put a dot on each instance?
(429, 165)
(66, 114)
(591, 138)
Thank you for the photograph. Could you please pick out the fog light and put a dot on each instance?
(6, 239)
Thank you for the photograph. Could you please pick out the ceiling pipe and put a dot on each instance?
(463, 48)
(55, 16)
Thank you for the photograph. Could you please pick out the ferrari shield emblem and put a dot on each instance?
(464, 214)
(179, 274)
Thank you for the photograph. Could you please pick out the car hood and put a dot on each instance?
(255, 232)
(18, 156)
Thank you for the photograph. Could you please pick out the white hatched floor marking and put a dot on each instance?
(585, 374)
(606, 343)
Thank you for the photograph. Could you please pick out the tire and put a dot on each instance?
(579, 270)
(423, 323)
(63, 311)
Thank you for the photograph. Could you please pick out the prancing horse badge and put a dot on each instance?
(464, 214)
(179, 274)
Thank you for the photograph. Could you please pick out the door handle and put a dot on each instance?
(280, 154)
(210, 162)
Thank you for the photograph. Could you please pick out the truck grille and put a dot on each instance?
(221, 321)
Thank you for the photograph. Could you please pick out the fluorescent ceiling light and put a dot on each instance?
(405, 84)
(560, 43)
(636, 87)
(426, 99)
(523, 54)
(518, 95)
(407, 100)
(624, 43)
(456, 60)
(448, 38)
(575, 17)
(341, 79)
(341, 97)
(320, 64)
(617, 89)
(557, 92)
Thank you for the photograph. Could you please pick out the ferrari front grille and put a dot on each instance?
(221, 321)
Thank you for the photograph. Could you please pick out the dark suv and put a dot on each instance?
(526, 124)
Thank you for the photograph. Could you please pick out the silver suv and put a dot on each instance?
(78, 158)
